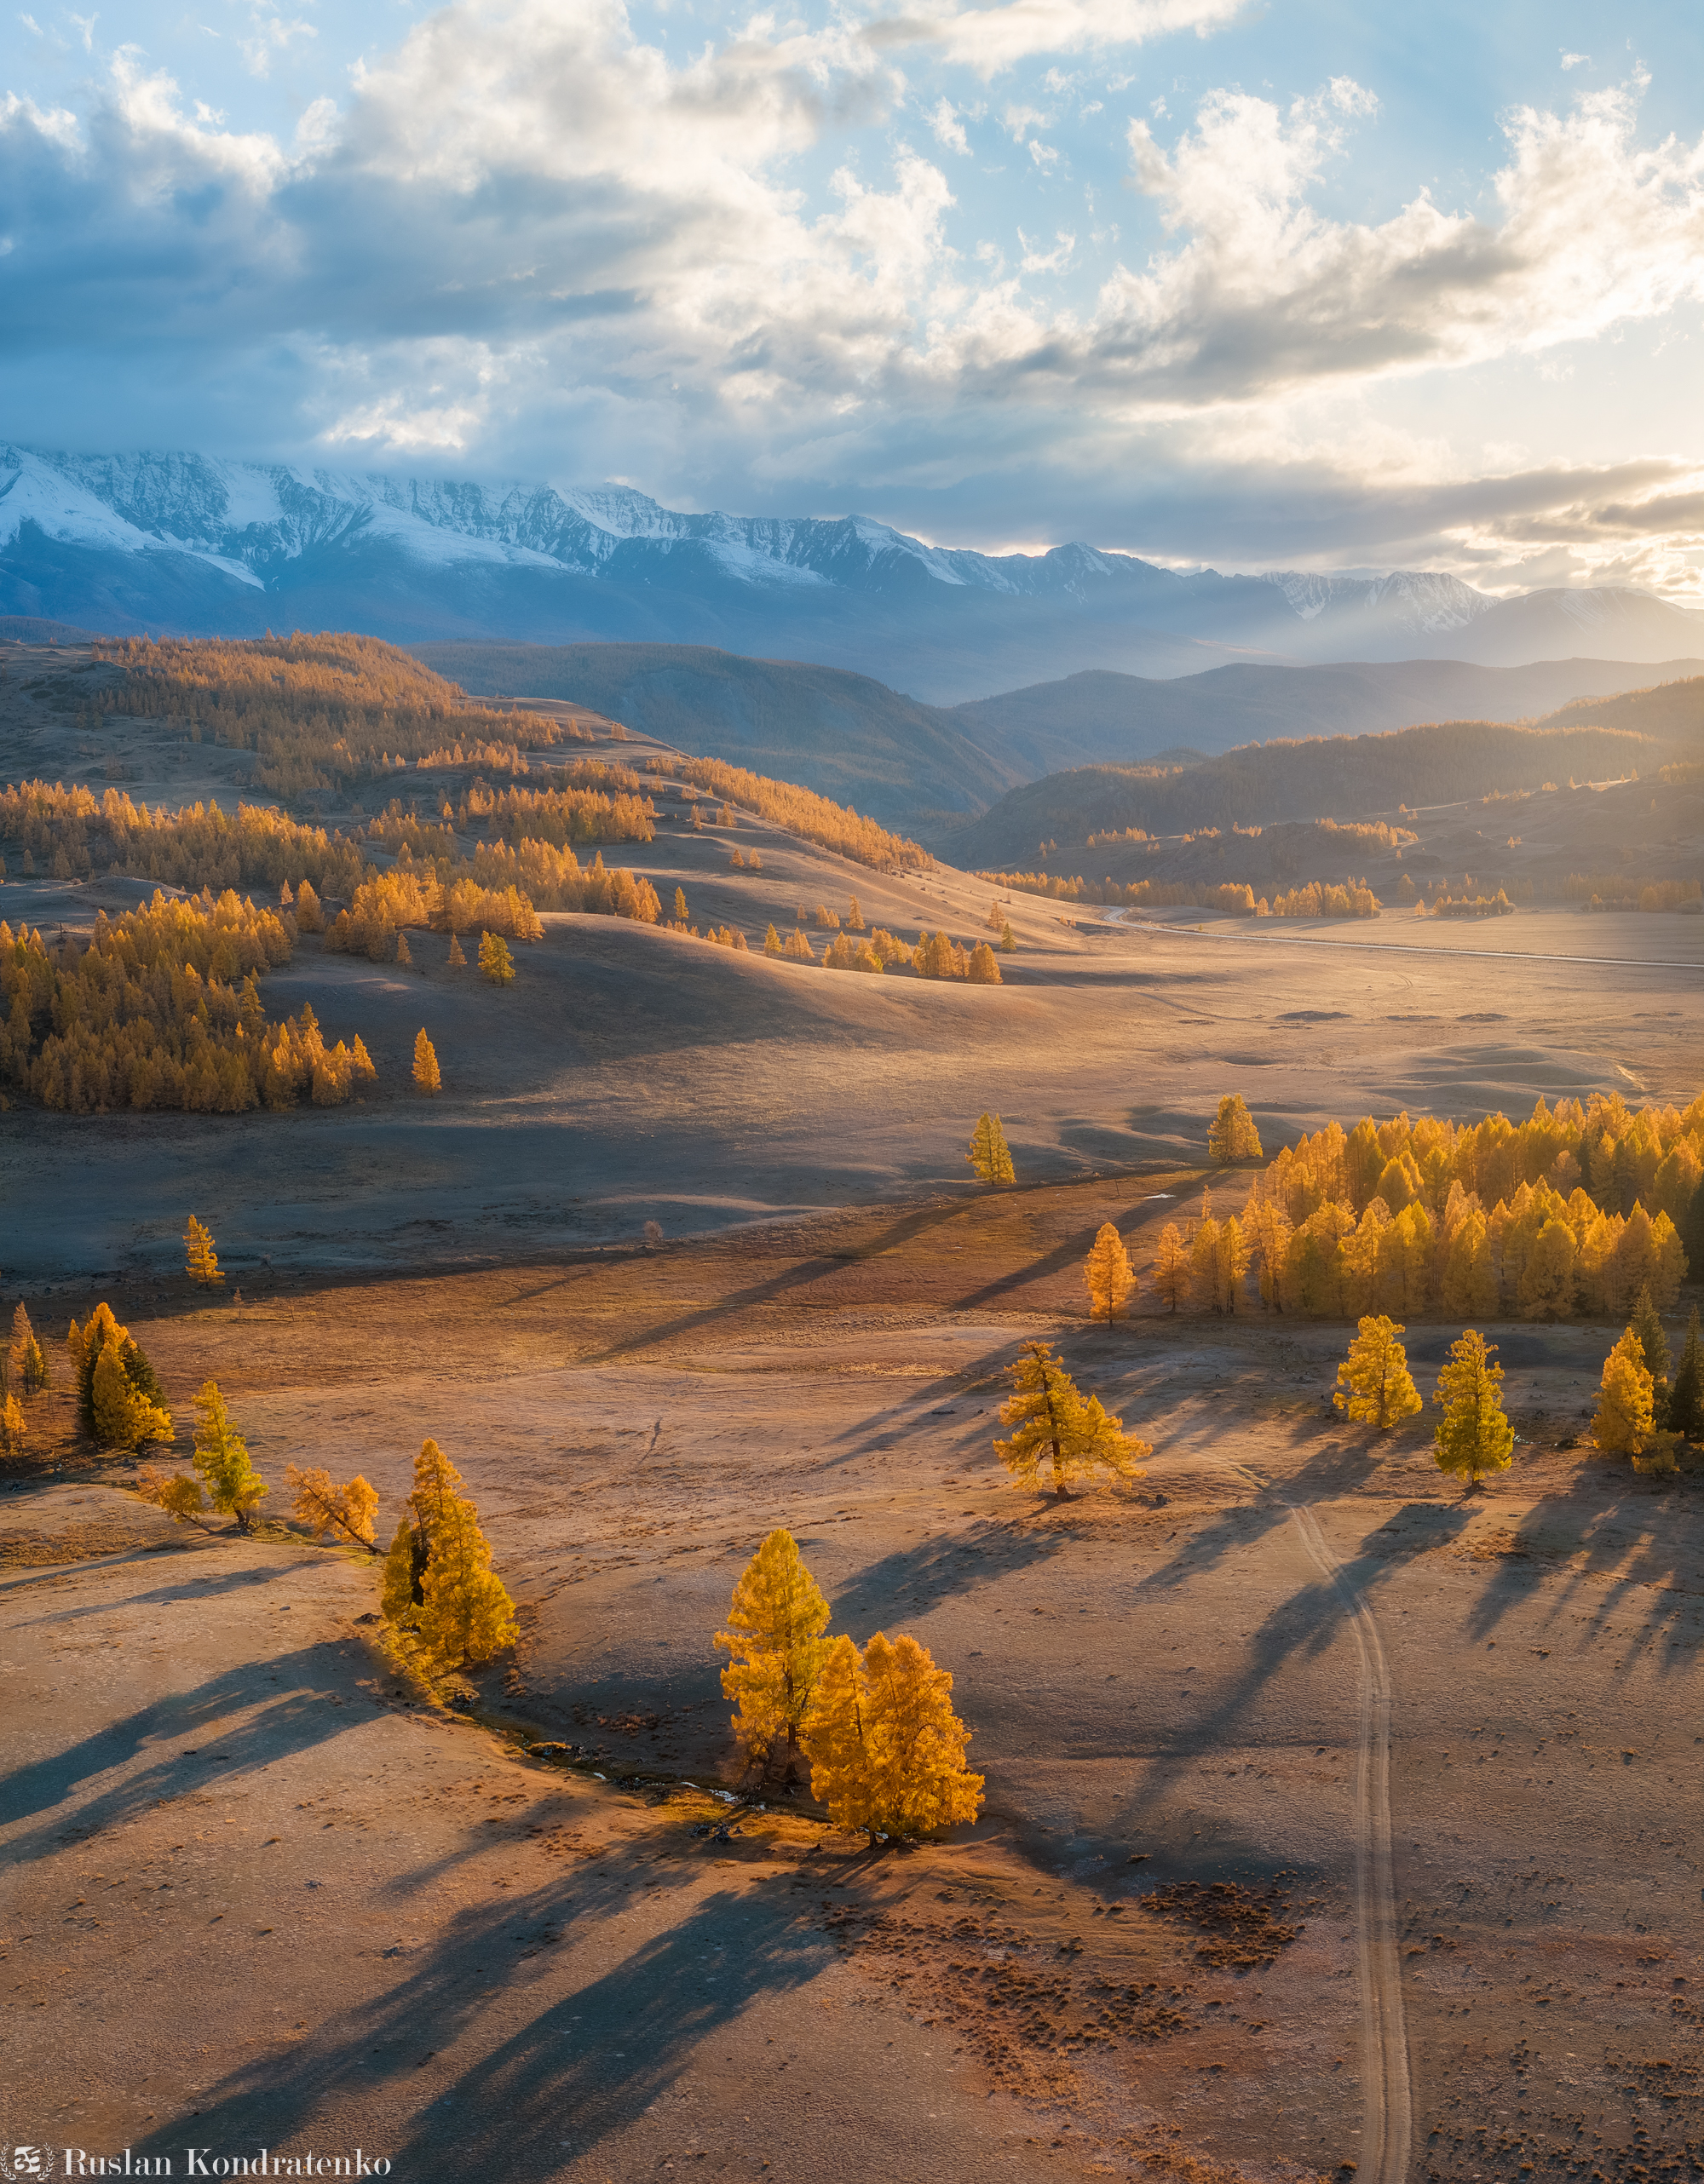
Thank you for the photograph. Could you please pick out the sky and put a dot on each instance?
(1256, 285)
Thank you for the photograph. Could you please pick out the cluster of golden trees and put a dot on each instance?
(161, 1009)
(875, 1724)
(315, 711)
(1574, 1210)
(801, 812)
(439, 1583)
(1622, 891)
(936, 956)
(1318, 899)
(590, 801)
(72, 832)
(1466, 905)
(24, 1375)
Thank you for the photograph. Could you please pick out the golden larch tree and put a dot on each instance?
(1232, 1135)
(495, 961)
(1054, 1424)
(221, 1458)
(854, 917)
(989, 1154)
(1171, 1267)
(996, 918)
(1474, 1436)
(465, 1613)
(179, 1496)
(772, 942)
(402, 954)
(26, 1362)
(1624, 1418)
(14, 1429)
(1470, 1279)
(1108, 1273)
(678, 913)
(427, 1078)
(201, 1261)
(1374, 1386)
(887, 1751)
(776, 1649)
(457, 957)
(329, 1508)
(984, 969)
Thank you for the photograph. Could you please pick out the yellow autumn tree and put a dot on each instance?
(1474, 1436)
(1171, 1267)
(330, 1508)
(1108, 1273)
(26, 1363)
(1625, 1419)
(1053, 1424)
(426, 1075)
(495, 961)
(1374, 1386)
(458, 958)
(772, 942)
(887, 1751)
(201, 1261)
(465, 1614)
(124, 1415)
(989, 1154)
(221, 1458)
(179, 1496)
(776, 1649)
(14, 1429)
(1233, 1136)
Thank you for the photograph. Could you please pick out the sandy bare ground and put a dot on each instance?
(1453, 1743)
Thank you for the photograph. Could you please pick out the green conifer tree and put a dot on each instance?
(221, 1458)
(1654, 1346)
(1686, 1395)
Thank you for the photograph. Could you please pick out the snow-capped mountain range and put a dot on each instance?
(185, 542)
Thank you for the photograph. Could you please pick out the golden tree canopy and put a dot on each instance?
(201, 1261)
(1626, 1403)
(1056, 1426)
(1108, 1273)
(887, 1751)
(1374, 1387)
(989, 1154)
(1233, 1136)
(775, 1620)
(1474, 1436)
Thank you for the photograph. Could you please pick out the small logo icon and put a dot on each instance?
(20, 2162)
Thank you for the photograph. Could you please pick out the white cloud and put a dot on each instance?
(991, 40)
(85, 25)
(1576, 60)
(1044, 156)
(1035, 260)
(947, 127)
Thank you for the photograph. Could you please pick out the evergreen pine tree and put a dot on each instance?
(776, 1649)
(26, 1364)
(1374, 1387)
(989, 1154)
(221, 1458)
(1624, 1422)
(426, 1072)
(495, 960)
(1170, 1268)
(1107, 1271)
(457, 957)
(1654, 1348)
(887, 1750)
(202, 1261)
(1053, 1423)
(1474, 1436)
(1686, 1395)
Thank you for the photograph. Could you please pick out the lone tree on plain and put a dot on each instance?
(221, 1458)
(1374, 1386)
(457, 957)
(332, 1509)
(426, 1074)
(1233, 1136)
(989, 1154)
(1054, 1423)
(438, 1577)
(1625, 1417)
(776, 1649)
(1474, 1436)
(887, 1751)
(201, 1261)
(1686, 1396)
(1110, 1278)
(495, 960)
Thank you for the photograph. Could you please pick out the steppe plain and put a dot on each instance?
(1333, 1817)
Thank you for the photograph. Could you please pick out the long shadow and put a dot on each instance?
(1322, 1476)
(918, 1578)
(1661, 1563)
(294, 1721)
(1070, 1253)
(208, 1587)
(796, 1277)
(580, 2068)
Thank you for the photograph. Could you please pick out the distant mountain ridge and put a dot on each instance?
(186, 542)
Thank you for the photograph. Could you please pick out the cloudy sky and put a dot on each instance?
(1323, 286)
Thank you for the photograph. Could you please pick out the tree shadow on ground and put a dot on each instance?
(917, 1579)
(208, 1586)
(292, 1721)
(580, 2068)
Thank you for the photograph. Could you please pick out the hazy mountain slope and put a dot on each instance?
(1129, 718)
(841, 734)
(1671, 710)
(1337, 777)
